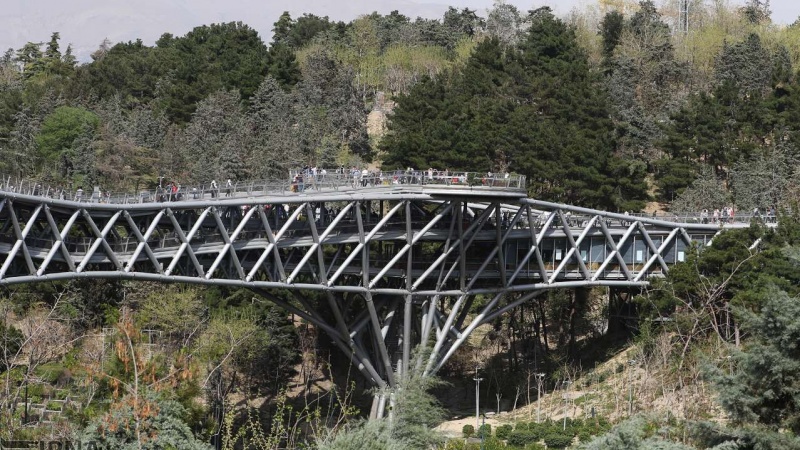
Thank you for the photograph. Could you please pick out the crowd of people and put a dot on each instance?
(728, 214)
(364, 177)
(355, 177)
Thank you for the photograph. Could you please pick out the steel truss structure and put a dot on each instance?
(379, 269)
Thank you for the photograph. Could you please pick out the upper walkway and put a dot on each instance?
(327, 182)
(299, 182)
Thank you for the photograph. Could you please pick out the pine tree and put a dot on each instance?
(761, 390)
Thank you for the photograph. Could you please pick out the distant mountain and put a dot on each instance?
(85, 23)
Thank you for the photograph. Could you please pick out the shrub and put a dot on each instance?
(557, 440)
(54, 406)
(50, 372)
(492, 443)
(503, 431)
(455, 444)
(522, 437)
(535, 446)
(485, 430)
(468, 431)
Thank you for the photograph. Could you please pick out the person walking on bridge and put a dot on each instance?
(214, 188)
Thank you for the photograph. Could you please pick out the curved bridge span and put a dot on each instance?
(396, 264)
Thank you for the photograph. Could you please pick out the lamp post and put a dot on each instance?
(566, 402)
(483, 422)
(477, 398)
(631, 362)
(539, 383)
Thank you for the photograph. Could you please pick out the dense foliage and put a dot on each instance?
(535, 109)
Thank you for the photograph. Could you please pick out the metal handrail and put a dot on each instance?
(319, 180)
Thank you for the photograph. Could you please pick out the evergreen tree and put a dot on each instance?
(645, 79)
(52, 52)
(464, 22)
(282, 29)
(330, 106)
(746, 64)
(536, 110)
(760, 393)
(283, 66)
(209, 58)
(30, 57)
(214, 139)
(706, 192)
(611, 29)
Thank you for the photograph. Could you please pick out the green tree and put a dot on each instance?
(296, 34)
(131, 71)
(706, 192)
(216, 140)
(160, 423)
(453, 124)
(760, 394)
(464, 22)
(568, 153)
(272, 117)
(747, 64)
(283, 66)
(329, 107)
(645, 80)
(483, 118)
(763, 180)
(633, 434)
(282, 29)
(55, 63)
(52, 52)
(31, 59)
(756, 11)
(611, 29)
(228, 56)
(11, 340)
(61, 129)
(415, 415)
(716, 129)
(11, 101)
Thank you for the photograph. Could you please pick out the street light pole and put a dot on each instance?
(482, 431)
(630, 386)
(566, 402)
(539, 382)
(477, 399)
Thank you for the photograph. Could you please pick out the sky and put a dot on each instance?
(85, 23)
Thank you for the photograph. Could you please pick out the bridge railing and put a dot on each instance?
(299, 181)
(706, 218)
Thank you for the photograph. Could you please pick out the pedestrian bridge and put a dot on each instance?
(395, 259)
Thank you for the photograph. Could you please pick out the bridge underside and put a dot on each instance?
(378, 272)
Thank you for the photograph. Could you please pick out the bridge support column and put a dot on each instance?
(621, 310)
